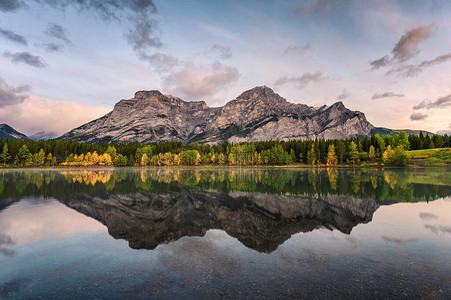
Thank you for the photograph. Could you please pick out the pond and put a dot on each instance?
(225, 233)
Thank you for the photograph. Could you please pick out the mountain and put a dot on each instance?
(43, 135)
(258, 114)
(385, 131)
(260, 221)
(9, 133)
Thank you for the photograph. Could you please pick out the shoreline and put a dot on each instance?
(297, 166)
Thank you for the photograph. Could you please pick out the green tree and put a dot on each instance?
(311, 156)
(353, 153)
(111, 150)
(5, 156)
(120, 160)
(49, 158)
(40, 158)
(190, 157)
(401, 139)
(23, 157)
(221, 159)
(399, 157)
(372, 153)
(380, 144)
(341, 149)
(387, 155)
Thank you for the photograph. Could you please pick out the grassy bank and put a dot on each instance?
(431, 157)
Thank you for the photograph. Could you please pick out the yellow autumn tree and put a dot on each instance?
(331, 156)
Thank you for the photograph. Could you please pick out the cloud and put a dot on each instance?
(11, 5)
(160, 61)
(405, 71)
(197, 82)
(414, 70)
(53, 47)
(218, 31)
(407, 46)
(11, 95)
(314, 7)
(6, 241)
(418, 116)
(386, 95)
(58, 32)
(440, 103)
(438, 229)
(140, 37)
(379, 63)
(36, 114)
(27, 58)
(427, 216)
(136, 13)
(392, 240)
(344, 94)
(438, 60)
(301, 81)
(446, 131)
(111, 9)
(14, 37)
(297, 49)
(223, 51)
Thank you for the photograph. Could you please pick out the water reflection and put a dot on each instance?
(262, 208)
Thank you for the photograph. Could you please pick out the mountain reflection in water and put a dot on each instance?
(262, 208)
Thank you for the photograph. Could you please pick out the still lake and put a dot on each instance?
(225, 233)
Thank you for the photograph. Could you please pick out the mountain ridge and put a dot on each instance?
(9, 133)
(257, 114)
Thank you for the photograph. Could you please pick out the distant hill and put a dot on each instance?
(385, 131)
(9, 133)
(43, 135)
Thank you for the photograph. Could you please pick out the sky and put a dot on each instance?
(64, 63)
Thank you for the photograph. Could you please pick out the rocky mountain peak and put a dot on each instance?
(258, 114)
(148, 94)
(7, 132)
(338, 105)
(257, 92)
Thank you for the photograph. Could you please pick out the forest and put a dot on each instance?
(387, 150)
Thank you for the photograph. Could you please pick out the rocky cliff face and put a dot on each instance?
(260, 221)
(258, 114)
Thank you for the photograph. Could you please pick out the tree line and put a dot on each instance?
(387, 149)
(386, 186)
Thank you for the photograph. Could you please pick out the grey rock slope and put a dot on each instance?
(258, 114)
(9, 133)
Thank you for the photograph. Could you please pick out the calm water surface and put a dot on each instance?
(225, 233)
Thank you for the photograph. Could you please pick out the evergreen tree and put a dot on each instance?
(24, 157)
(5, 156)
(341, 149)
(311, 156)
(353, 153)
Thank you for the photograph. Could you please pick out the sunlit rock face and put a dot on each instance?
(260, 221)
(258, 114)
